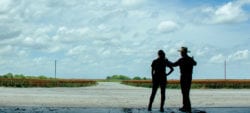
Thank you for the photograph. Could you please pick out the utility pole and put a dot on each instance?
(225, 69)
(55, 69)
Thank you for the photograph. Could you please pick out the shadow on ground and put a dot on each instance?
(117, 110)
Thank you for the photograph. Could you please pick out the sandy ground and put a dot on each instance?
(116, 96)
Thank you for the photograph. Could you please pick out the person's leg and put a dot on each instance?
(185, 89)
(163, 90)
(183, 93)
(188, 103)
(154, 90)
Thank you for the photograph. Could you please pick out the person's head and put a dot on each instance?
(183, 51)
(161, 54)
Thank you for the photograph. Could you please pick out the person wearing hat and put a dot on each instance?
(159, 78)
(185, 64)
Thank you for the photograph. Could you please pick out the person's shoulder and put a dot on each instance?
(155, 60)
(190, 58)
(180, 59)
(167, 60)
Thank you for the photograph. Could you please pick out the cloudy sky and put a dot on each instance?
(99, 38)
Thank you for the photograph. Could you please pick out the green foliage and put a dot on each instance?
(137, 78)
(8, 75)
(21, 76)
(42, 77)
(118, 77)
(144, 78)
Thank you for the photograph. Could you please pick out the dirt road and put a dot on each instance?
(115, 95)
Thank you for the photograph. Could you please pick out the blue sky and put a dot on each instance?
(99, 38)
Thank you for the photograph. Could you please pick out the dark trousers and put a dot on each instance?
(156, 84)
(185, 90)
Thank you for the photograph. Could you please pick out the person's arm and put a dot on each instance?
(170, 71)
(152, 69)
(194, 62)
(175, 63)
(170, 67)
(152, 72)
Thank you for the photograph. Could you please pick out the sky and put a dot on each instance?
(100, 38)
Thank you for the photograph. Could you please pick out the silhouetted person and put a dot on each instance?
(159, 78)
(186, 64)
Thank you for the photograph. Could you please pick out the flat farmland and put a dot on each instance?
(116, 95)
(198, 84)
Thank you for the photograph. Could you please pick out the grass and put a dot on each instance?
(23, 82)
(196, 84)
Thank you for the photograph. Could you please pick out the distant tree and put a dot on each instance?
(118, 77)
(21, 76)
(42, 77)
(8, 75)
(144, 78)
(108, 77)
(137, 78)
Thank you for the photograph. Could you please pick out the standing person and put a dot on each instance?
(186, 64)
(159, 78)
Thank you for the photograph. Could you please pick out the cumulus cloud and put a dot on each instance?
(217, 58)
(68, 35)
(239, 55)
(86, 35)
(78, 50)
(132, 2)
(8, 33)
(167, 26)
(231, 12)
(5, 5)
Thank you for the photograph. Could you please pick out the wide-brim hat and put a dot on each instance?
(184, 49)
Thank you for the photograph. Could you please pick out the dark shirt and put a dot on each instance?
(159, 67)
(186, 65)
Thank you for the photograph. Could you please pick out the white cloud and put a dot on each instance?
(70, 35)
(239, 55)
(167, 26)
(78, 50)
(132, 2)
(217, 58)
(5, 5)
(231, 12)
(6, 50)
(84, 35)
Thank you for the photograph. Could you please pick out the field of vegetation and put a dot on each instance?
(196, 84)
(19, 80)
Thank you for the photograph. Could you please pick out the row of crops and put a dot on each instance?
(200, 84)
(15, 82)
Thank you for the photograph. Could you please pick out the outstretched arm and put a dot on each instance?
(174, 64)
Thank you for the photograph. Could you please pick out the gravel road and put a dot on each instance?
(115, 95)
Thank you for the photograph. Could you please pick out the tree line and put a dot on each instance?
(22, 76)
(123, 77)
